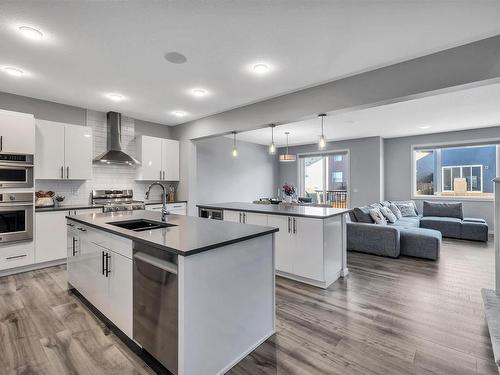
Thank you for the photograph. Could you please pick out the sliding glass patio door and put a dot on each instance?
(324, 178)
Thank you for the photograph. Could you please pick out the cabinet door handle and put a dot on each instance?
(1, 142)
(102, 261)
(294, 226)
(16, 257)
(67, 172)
(82, 229)
(244, 217)
(74, 247)
(163, 174)
(108, 270)
(62, 171)
(240, 217)
(160, 175)
(70, 225)
(289, 218)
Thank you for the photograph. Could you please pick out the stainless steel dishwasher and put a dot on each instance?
(156, 304)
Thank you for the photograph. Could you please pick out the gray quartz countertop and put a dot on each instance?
(190, 235)
(279, 209)
(68, 207)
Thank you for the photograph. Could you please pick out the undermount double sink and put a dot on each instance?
(140, 225)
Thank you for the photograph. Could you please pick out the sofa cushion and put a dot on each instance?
(408, 222)
(443, 209)
(448, 226)
(377, 216)
(419, 242)
(474, 231)
(407, 210)
(362, 214)
(397, 203)
(352, 216)
(474, 220)
(389, 215)
(395, 210)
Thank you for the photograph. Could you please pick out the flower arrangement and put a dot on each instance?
(289, 189)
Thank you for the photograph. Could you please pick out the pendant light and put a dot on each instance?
(235, 150)
(322, 140)
(272, 146)
(285, 158)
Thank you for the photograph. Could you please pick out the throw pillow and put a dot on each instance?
(399, 203)
(407, 209)
(388, 214)
(395, 210)
(377, 216)
(362, 214)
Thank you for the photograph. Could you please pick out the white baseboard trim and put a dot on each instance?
(32, 267)
(244, 354)
(305, 280)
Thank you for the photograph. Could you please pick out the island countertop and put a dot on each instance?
(277, 209)
(190, 235)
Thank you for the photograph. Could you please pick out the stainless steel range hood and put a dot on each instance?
(114, 153)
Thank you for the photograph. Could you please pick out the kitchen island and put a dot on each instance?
(198, 295)
(310, 244)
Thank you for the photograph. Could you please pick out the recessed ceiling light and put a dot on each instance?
(31, 33)
(260, 68)
(115, 97)
(175, 57)
(16, 72)
(179, 113)
(424, 127)
(199, 93)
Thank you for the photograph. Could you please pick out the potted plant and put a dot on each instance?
(289, 191)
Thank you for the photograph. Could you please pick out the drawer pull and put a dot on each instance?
(16, 257)
(81, 229)
(70, 225)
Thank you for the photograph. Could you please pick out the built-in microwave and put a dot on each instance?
(16, 217)
(16, 171)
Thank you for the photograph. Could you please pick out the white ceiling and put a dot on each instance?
(465, 109)
(96, 47)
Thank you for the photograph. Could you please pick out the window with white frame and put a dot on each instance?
(455, 170)
(472, 174)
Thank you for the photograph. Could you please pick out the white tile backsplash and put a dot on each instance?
(104, 176)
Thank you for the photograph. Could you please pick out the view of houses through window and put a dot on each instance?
(455, 171)
(324, 178)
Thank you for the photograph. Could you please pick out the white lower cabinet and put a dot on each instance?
(50, 233)
(245, 217)
(284, 246)
(309, 248)
(16, 255)
(102, 276)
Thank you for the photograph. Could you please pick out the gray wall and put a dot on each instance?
(223, 178)
(469, 65)
(366, 174)
(398, 166)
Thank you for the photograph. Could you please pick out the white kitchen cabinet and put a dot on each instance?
(78, 152)
(102, 275)
(49, 159)
(245, 217)
(308, 249)
(50, 233)
(50, 236)
(17, 133)
(285, 246)
(16, 254)
(120, 285)
(233, 216)
(159, 159)
(63, 151)
(173, 208)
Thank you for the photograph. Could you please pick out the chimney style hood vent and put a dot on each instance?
(114, 153)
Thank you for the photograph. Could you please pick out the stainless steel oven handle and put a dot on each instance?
(159, 263)
(16, 165)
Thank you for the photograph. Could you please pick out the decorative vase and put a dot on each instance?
(288, 198)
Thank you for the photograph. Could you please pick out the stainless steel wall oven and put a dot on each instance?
(16, 217)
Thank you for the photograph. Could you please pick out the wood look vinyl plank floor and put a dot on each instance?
(388, 317)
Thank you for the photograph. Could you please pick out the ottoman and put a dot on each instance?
(474, 229)
(420, 243)
(448, 226)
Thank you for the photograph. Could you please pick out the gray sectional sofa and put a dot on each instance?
(418, 235)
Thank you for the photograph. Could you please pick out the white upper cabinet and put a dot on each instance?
(78, 152)
(159, 159)
(63, 151)
(17, 133)
(170, 159)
